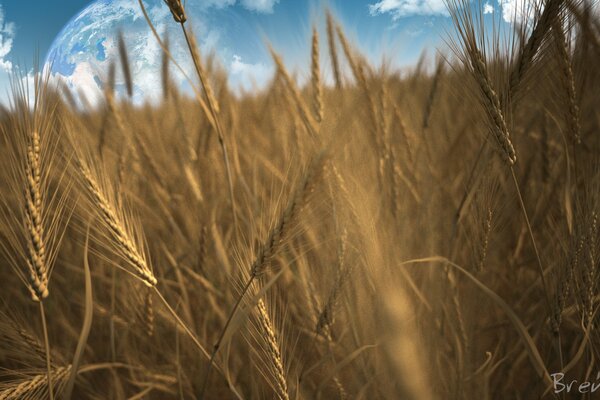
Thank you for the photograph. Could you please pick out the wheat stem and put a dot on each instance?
(533, 241)
(47, 346)
(213, 108)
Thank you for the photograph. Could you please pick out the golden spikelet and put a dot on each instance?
(305, 116)
(211, 100)
(149, 313)
(432, 93)
(317, 89)
(526, 56)
(124, 57)
(487, 228)
(564, 59)
(35, 386)
(273, 351)
(38, 269)
(126, 244)
(165, 72)
(499, 127)
(356, 64)
(269, 247)
(177, 10)
(335, 64)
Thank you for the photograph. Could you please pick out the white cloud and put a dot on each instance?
(245, 75)
(403, 8)
(7, 35)
(519, 11)
(219, 3)
(488, 8)
(414, 32)
(82, 82)
(262, 6)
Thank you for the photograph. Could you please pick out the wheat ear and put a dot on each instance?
(273, 350)
(125, 242)
(269, 248)
(526, 56)
(36, 247)
(165, 72)
(317, 89)
(38, 268)
(305, 116)
(34, 387)
(335, 64)
(125, 65)
(499, 127)
(572, 112)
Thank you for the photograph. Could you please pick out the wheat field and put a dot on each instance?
(429, 233)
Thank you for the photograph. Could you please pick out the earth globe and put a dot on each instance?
(234, 33)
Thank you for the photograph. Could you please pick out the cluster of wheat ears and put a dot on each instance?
(415, 234)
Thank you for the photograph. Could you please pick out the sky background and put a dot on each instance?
(401, 29)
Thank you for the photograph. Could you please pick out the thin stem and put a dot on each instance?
(463, 201)
(533, 242)
(178, 358)
(217, 345)
(218, 128)
(183, 325)
(560, 353)
(47, 345)
(194, 339)
(113, 348)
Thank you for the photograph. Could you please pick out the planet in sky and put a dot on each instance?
(235, 32)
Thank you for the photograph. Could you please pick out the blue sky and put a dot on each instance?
(399, 28)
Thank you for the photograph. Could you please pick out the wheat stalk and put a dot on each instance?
(269, 247)
(213, 107)
(165, 72)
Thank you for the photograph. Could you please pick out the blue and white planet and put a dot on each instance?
(82, 52)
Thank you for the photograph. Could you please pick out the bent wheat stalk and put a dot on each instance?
(267, 251)
(474, 59)
(129, 246)
(178, 11)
